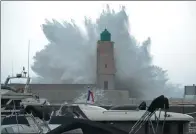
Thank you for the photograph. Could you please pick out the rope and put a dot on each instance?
(44, 122)
(160, 102)
(152, 127)
(34, 126)
(146, 117)
(158, 120)
(164, 120)
(16, 116)
(40, 130)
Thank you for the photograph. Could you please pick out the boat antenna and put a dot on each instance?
(28, 78)
(12, 68)
(28, 57)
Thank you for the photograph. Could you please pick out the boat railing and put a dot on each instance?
(160, 103)
(192, 127)
(32, 121)
(121, 111)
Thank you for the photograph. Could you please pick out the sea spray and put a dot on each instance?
(70, 57)
(99, 97)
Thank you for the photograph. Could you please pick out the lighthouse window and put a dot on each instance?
(106, 65)
(105, 84)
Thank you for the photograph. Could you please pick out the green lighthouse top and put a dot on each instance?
(105, 35)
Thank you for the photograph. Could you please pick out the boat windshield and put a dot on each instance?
(17, 80)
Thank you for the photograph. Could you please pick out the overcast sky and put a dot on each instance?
(171, 26)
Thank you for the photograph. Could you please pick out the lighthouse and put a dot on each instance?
(105, 62)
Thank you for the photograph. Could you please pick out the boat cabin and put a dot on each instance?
(173, 123)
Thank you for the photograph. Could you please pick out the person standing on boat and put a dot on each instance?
(90, 96)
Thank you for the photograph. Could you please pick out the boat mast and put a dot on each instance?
(12, 69)
(28, 77)
(28, 57)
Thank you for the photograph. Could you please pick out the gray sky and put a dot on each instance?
(171, 26)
